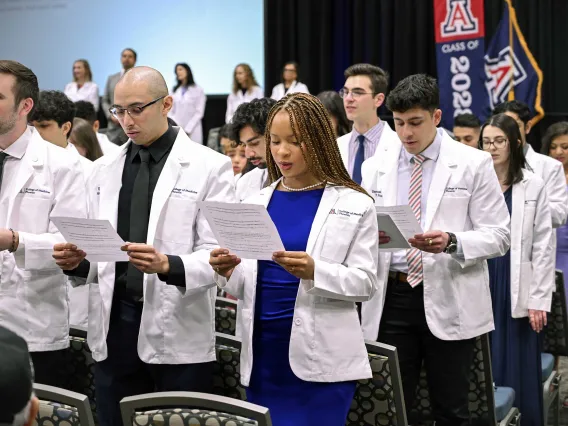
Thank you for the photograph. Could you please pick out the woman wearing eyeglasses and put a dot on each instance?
(290, 82)
(522, 280)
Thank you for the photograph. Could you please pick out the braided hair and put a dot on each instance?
(313, 129)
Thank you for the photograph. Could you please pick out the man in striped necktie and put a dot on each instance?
(437, 292)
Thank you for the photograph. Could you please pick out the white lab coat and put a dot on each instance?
(106, 145)
(235, 99)
(177, 324)
(49, 183)
(88, 92)
(388, 136)
(278, 92)
(532, 263)
(188, 111)
(251, 183)
(86, 164)
(552, 173)
(326, 344)
(464, 198)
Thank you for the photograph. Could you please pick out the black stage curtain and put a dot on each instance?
(326, 36)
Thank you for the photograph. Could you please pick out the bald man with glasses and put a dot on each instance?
(151, 325)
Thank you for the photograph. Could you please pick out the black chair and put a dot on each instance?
(487, 406)
(80, 367)
(380, 400)
(555, 343)
(225, 316)
(62, 407)
(226, 373)
(191, 408)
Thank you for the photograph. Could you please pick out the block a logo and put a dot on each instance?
(498, 72)
(459, 19)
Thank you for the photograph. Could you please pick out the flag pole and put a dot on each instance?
(511, 95)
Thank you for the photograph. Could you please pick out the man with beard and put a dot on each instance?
(247, 127)
(39, 181)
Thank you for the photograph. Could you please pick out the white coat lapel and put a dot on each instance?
(442, 173)
(387, 177)
(328, 201)
(177, 159)
(517, 217)
(110, 187)
(33, 158)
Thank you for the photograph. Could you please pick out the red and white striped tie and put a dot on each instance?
(414, 256)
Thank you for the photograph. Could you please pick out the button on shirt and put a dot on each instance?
(405, 166)
(372, 138)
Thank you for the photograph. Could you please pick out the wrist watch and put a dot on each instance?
(452, 243)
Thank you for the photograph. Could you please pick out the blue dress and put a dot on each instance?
(515, 346)
(292, 401)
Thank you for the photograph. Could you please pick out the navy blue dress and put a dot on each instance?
(515, 346)
(292, 401)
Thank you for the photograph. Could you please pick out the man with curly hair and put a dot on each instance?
(247, 128)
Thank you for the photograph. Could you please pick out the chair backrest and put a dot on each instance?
(556, 332)
(481, 394)
(213, 139)
(199, 408)
(226, 373)
(80, 366)
(380, 400)
(225, 316)
(62, 407)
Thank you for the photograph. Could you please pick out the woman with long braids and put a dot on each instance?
(303, 348)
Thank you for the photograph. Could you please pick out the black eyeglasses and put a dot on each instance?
(498, 143)
(133, 111)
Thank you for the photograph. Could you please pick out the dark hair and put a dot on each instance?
(334, 106)
(251, 81)
(224, 132)
(86, 111)
(190, 80)
(88, 73)
(554, 131)
(296, 65)
(517, 107)
(517, 159)
(415, 91)
(312, 126)
(130, 50)
(467, 120)
(55, 105)
(379, 77)
(26, 82)
(253, 114)
(85, 137)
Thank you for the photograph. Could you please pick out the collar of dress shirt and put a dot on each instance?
(433, 150)
(19, 147)
(159, 147)
(370, 134)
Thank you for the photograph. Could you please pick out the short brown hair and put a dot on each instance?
(379, 77)
(26, 82)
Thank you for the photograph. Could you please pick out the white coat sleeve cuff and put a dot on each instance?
(540, 304)
(235, 284)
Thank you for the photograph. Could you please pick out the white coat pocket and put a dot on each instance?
(338, 236)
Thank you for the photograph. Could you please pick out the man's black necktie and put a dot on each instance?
(139, 217)
(3, 157)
